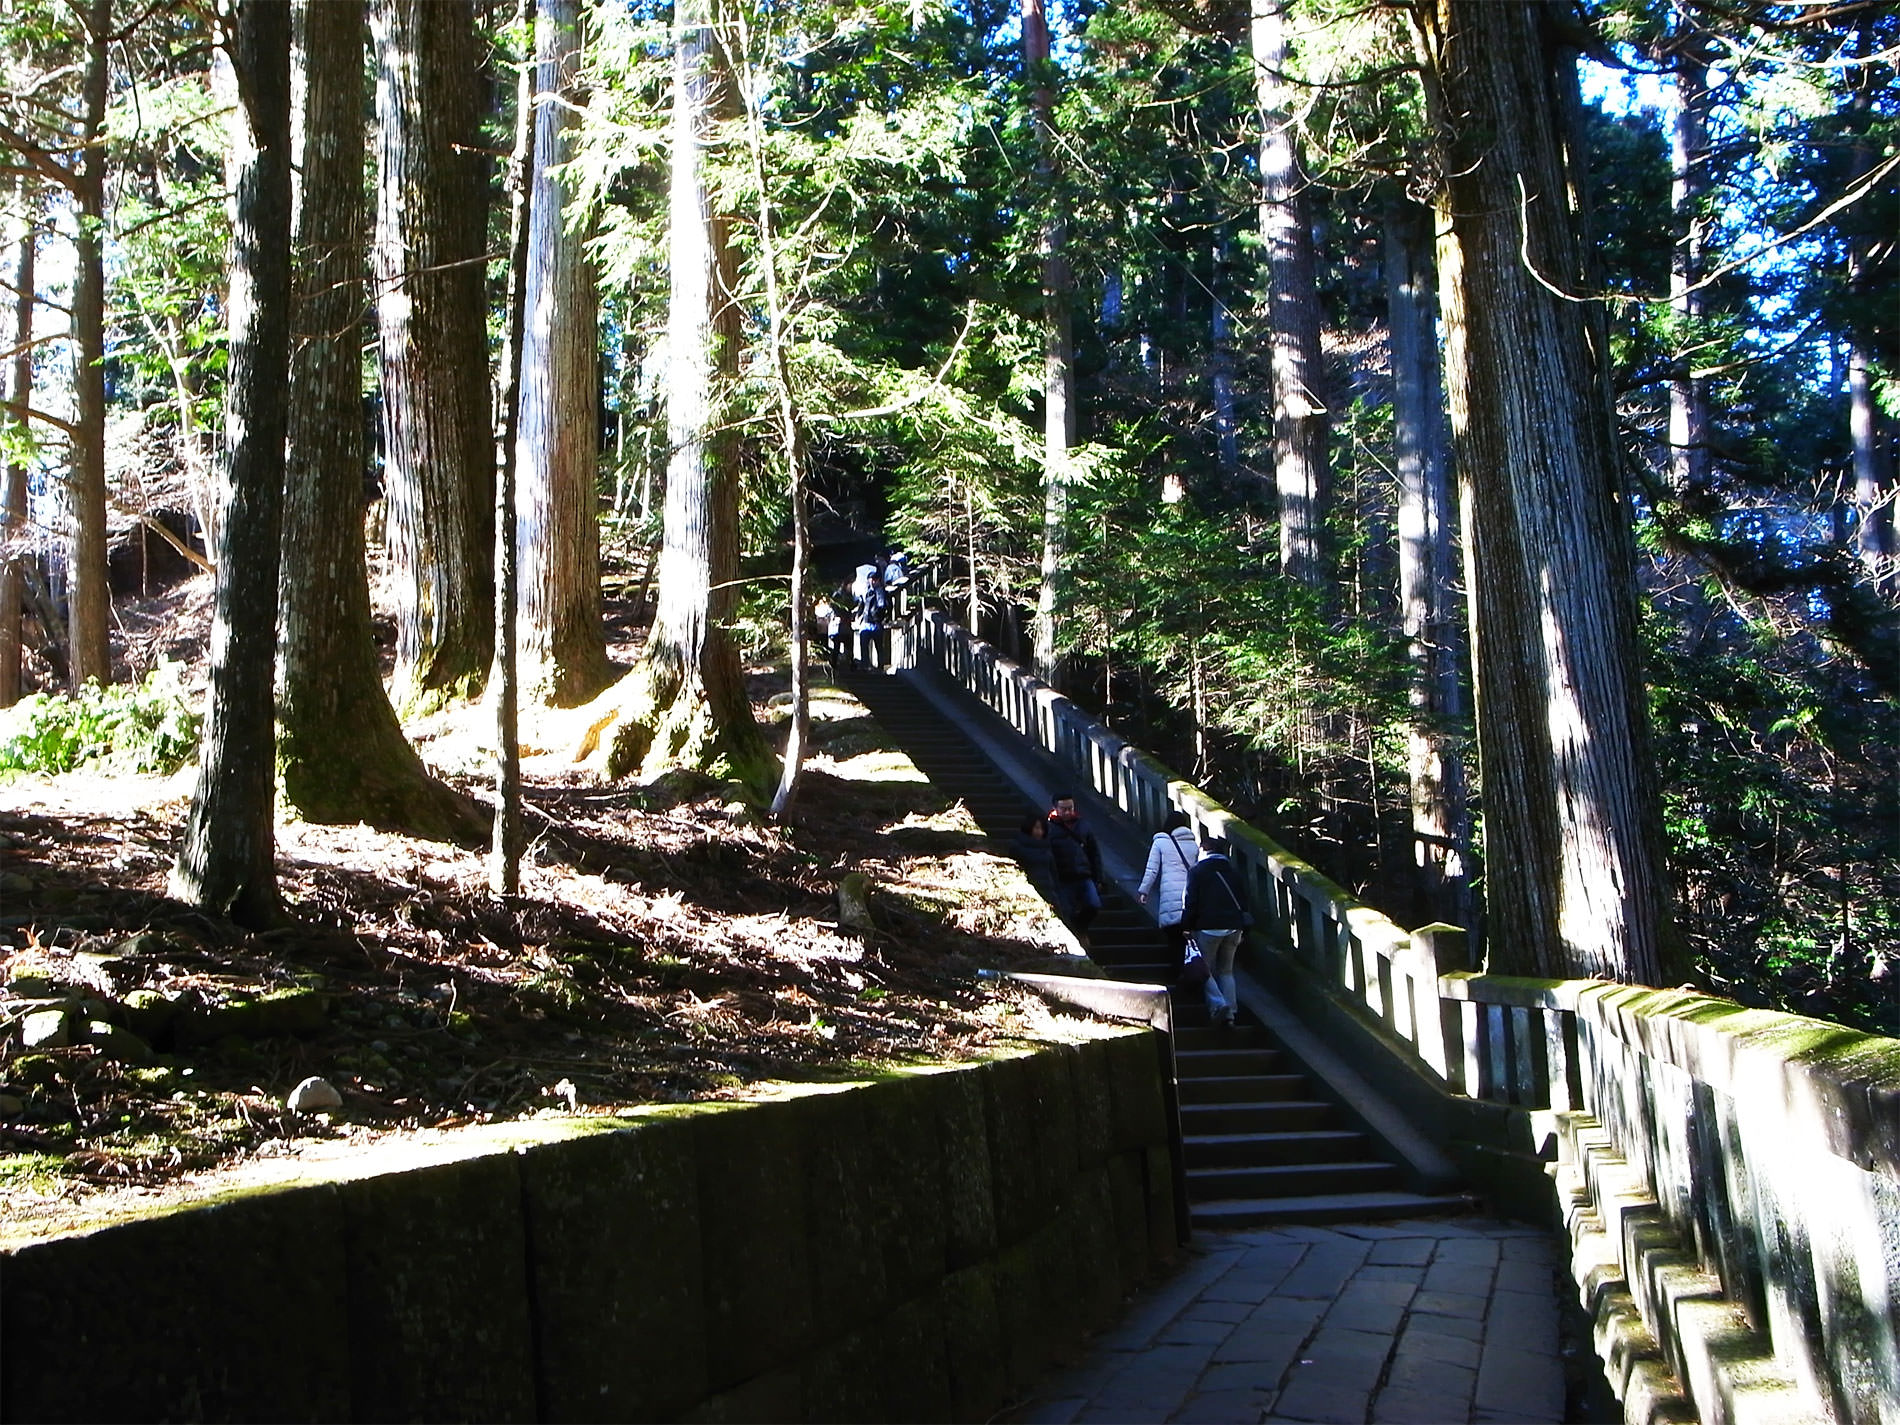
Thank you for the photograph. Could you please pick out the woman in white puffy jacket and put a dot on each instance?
(1170, 857)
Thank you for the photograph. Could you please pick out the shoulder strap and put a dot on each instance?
(1177, 850)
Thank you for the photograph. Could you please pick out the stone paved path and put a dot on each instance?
(1428, 1321)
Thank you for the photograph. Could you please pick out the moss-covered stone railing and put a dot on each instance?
(1730, 1178)
(907, 1249)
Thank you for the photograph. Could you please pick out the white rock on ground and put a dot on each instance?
(314, 1095)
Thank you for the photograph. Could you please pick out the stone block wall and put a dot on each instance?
(912, 1248)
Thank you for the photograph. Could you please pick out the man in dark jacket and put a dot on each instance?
(1215, 913)
(1078, 865)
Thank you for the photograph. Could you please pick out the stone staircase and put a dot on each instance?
(1262, 1148)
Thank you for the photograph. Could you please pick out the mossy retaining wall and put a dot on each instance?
(914, 1248)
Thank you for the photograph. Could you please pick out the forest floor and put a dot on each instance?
(670, 943)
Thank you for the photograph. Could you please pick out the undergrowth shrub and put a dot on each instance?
(147, 728)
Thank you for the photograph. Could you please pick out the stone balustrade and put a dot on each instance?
(1730, 1178)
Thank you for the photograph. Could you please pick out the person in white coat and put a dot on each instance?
(1170, 857)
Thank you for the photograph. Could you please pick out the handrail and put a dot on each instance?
(1770, 1143)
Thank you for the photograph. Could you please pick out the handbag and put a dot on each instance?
(1194, 971)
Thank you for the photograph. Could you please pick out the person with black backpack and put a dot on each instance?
(1215, 913)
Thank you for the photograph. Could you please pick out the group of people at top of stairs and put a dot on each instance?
(1197, 893)
(866, 607)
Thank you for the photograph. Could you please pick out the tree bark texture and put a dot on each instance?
(1058, 343)
(13, 495)
(431, 209)
(343, 754)
(1427, 573)
(226, 864)
(1689, 181)
(563, 648)
(688, 704)
(1302, 420)
(88, 596)
(1575, 877)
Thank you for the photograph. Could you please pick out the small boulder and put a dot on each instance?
(45, 1029)
(314, 1095)
(149, 1013)
(118, 1043)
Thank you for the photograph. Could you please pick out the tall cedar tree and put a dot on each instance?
(438, 470)
(13, 495)
(1572, 826)
(89, 599)
(563, 648)
(1302, 421)
(1427, 575)
(343, 754)
(685, 704)
(1058, 342)
(226, 863)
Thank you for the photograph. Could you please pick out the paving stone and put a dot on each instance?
(1255, 1344)
(1352, 1359)
(1537, 1247)
(1324, 1270)
(1533, 1276)
(1361, 1313)
(1532, 1329)
(1158, 1307)
(1414, 1372)
(1464, 1278)
(1469, 1305)
(1222, 1407)
(1299, 1233)
(1188, 1331)
(1421, 1343)
(1279, 1257)
(1411, 1276)
(1242, 1284)
(1403, 1251)
(1468, 1328)
(1469, 1251)
(1228, 1311)
(1411, 1407)
(1258, 1376)
(1528, 1383)
(1315, 1399)
(1288, 1313)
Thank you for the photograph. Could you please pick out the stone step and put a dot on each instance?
(1194, 1038)
(1269, 1180)
(1219, 1088)
(1262, 1115)
(1259, 1150)
(1227, 1063)
(1324, 1207)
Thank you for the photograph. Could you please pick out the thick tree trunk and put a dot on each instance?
(1689, 179)
(13, 493)
(563, 648)
(686, 704)
(1571, 813)
(227, 861)
(1058, 345)
(342, 753)
(1302, 421)
(1427, 575)
(504, 685)
(431, 306)
(89, 598)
